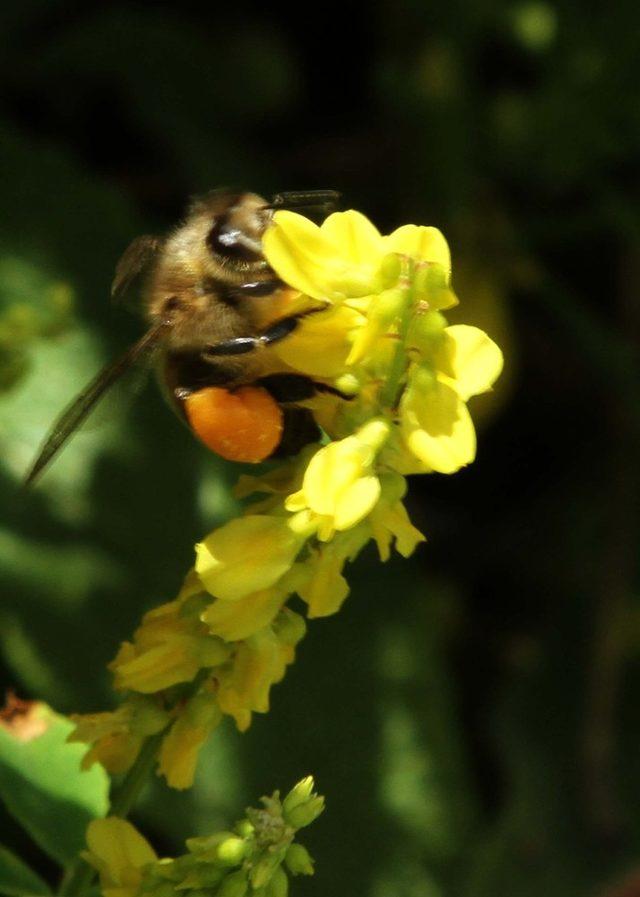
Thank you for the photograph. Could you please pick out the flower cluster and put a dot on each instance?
(397, 378)
(253, 859)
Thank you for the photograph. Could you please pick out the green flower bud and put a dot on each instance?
(231, 851)
(299, 794)
(205, 848)
(422, 379)
(203, 876)
(165, 889)
(279, 884)
(289, 627)
(234, 885)
(349, 384)
(388, 305)
(304, 814)
(393, 487)
(265, 867)
(298, 860)
(244, 828)
(390, 269)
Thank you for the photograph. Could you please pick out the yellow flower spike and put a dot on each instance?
(470, 358)
(181, 746)
(436, 424)
(246, 555)
(426, 244)
(119, 853)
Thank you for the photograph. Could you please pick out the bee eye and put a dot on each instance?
(226, 239)
(172, 304)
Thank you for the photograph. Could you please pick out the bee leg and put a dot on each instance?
(297, 387)
(300, 429)
(240, 345)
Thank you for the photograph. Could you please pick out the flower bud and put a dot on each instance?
(231, 851)
(234, 885)
(264, 868)
(244, 828)
(298, 860)
(348, 384)
(205, 847)
(300, 793)
(304, 814)
(279, 884)
(390, 269)
(289, 627)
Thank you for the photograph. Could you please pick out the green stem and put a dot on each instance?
(125, 797)
(399, 361)
(80, 874)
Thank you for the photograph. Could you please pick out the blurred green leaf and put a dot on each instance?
(16, 878)
(42, 784)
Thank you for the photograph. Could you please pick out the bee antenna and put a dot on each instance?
(320, 200)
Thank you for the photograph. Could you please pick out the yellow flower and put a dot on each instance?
(246, 555)
(390, 521)
(119, 853)
(324, 588)
(239, 618)
(339, 258)
(436, 424)
(171, 646)
(259, 662)
(117, 736)
(345, 255)
(469, 360)
(340, 486)
(321, 344)
(181, 746)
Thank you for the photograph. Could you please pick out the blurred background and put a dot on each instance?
(471, 714)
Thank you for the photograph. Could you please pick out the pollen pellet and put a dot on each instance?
(243, 425)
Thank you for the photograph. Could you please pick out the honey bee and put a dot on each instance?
(214, 306)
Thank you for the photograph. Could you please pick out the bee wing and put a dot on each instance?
(83, 404)
(133, 262)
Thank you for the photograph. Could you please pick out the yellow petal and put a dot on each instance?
(331, 470)
(181, 746)
(117, 849)
(235, 620)
(359, 242)
(438, 428)
(301, 255)
(246, 555)
(469, 357)
(327, 588)
(320, 345)
(356, 502)
(421, 243)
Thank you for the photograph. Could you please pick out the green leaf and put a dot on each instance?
(43, 786)
(16, 878)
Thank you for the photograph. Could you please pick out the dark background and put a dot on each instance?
(471, 714)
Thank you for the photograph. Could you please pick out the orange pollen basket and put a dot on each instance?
(243, 425)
